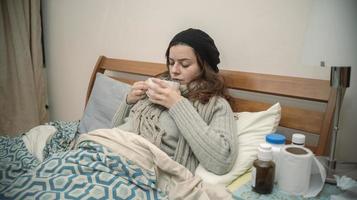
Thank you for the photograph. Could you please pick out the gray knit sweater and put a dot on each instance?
(208, 129)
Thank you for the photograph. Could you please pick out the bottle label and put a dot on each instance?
(254, 175)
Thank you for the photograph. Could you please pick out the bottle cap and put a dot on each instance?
(275, 138)
(298, 139)
(265, 152)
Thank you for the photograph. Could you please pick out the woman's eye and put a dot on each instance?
(171, 62)
(185, 65)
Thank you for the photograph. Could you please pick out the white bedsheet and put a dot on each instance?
(36, 139)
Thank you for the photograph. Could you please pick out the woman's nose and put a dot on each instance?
(175, 68)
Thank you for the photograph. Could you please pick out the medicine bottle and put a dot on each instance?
(277, 141)
(263, 170)
(298, 139)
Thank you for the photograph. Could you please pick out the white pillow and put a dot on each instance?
(252, 128)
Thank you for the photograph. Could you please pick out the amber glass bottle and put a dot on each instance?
(263, 170)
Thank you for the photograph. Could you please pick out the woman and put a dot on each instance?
(193, 123)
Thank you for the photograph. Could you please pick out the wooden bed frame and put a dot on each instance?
(311, 121)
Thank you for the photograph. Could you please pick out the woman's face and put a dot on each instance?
(183, 65)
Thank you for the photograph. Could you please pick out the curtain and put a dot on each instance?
(23, 91)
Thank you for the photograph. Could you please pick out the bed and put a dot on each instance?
(94, 170)
(301, 119)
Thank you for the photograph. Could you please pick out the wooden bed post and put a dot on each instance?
(325, 136)
(97, 68)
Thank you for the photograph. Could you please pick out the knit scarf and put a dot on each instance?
(146, 123)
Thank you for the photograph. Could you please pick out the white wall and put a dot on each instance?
(256, 35)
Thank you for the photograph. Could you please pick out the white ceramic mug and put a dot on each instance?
(172, 84)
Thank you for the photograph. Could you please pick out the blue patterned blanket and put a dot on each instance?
(89, 172)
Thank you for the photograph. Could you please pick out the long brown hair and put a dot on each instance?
(206, 85)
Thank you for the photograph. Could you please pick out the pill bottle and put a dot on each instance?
(298, 139)
(263, 170)
(277, 141)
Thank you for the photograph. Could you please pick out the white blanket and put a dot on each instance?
(172, 178)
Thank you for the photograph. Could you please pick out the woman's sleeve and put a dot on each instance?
(214, 144)
(121, 113)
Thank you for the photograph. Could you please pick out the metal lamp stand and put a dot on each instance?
(339, 80)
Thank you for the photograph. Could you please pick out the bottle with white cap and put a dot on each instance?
(263, 170)
(298, 139)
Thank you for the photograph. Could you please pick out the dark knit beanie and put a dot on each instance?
(201, 42)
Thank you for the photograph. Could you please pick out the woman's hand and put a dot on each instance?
(138, 91)
(161, 93)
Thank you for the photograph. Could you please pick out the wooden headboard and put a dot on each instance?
(306, 120)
